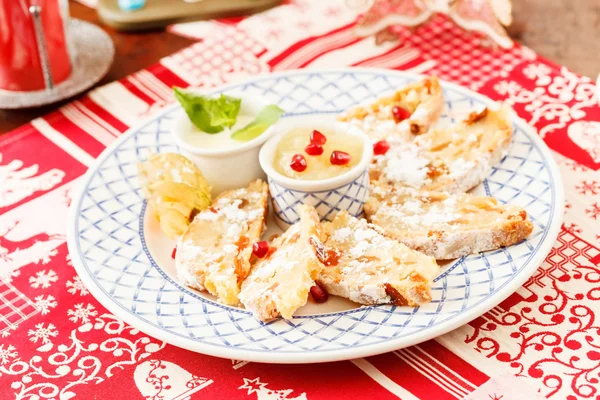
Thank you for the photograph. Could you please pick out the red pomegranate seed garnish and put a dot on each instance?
(399, 113)
(339, 158)
(298, 163)
(260, 249)
(319, 294)
(314, 149)
(317, 137)
(174, 252)
(381, 147)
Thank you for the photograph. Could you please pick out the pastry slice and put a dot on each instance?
(421, 102)
(453, 159)
(366, 267)
(447, 226)
(214, 252)
(280, 282)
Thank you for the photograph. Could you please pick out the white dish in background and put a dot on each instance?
(347, 191)
(236, 163)
(125, 261)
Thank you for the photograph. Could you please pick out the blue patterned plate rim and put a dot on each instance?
(324, 355)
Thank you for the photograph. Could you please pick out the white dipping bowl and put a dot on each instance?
(348, 191)
(229, 168)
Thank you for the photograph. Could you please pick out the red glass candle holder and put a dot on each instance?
(34, 50)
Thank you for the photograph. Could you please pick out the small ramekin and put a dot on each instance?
(232, 168)
(348, 191)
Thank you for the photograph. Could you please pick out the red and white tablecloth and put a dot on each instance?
(57, 341)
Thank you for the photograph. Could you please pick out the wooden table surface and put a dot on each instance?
(564, 31)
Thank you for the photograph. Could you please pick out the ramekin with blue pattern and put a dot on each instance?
(347, 191)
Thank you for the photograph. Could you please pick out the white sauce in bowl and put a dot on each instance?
(195, 137)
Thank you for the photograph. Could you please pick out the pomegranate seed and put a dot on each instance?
(314, 149)
(399, 113)
(174, 253)
(319, 294)
(381, 147)
(318, 138)
(260, 249)
(339, 158)
(298, 163)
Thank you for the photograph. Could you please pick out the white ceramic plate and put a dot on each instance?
(125, 261)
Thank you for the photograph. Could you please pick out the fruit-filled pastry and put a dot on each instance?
(453, 159)
(447, 226)
(408, 112)
(214, 252)
(279, 283)
(363, 265)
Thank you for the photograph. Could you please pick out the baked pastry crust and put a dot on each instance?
(279, 283)
(423, 99)
(453, 159)
(447, 226)
(214, 252)
(366, 267)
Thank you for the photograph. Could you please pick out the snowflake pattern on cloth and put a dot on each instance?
(43, 279)
(76, 287)
(44, 304)
(82, 313)
(42, 332)
(7, 353)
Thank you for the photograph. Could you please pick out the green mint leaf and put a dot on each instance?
(209, 114)
(264, 119)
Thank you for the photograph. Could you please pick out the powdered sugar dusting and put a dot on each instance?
(413, 210)
(406, 165)
(359, 249)
(279, 283)
(460, 167)
(361, 235)
(450, 202)
(435, 216)
(361, 239)
(230, 248)
(379, 128)
(215, 248)
(342, 233)
(413, 206)
(207, 216)
(369, 261)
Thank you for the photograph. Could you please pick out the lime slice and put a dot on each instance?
(264, 119)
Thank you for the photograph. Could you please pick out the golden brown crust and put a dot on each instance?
(517, 228)
(476, 116)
